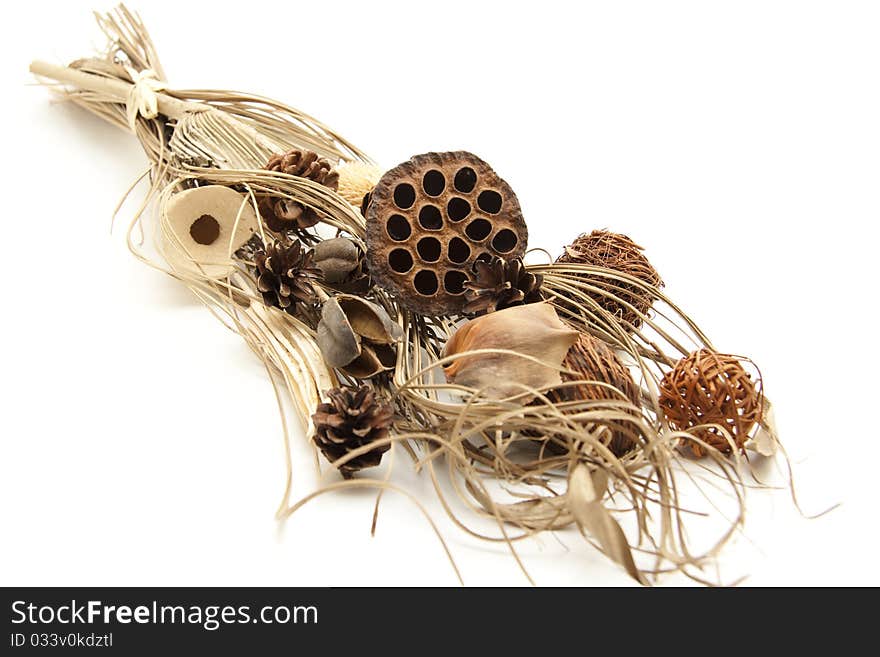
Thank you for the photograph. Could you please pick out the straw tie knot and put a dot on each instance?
(142, 97)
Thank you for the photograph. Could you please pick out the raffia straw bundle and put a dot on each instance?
(201, 142)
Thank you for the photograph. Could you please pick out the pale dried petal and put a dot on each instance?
(532, 330)
(766, 440)
(202, 226)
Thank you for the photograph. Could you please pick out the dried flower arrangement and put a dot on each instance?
(395, 308)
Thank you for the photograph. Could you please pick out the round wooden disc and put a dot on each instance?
(430, 218)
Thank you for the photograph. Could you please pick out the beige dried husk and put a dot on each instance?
(628, 507)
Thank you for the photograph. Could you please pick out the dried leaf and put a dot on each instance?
(585, 502)
(766, 440)
(533, 330)
(337, 340)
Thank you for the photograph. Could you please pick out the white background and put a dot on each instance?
(739, 142)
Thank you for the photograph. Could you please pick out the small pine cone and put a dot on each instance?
(284, 214)
(305, 164)
(497, 284)
(285, 274)
(353, 418)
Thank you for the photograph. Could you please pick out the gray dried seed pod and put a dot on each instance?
(357, 336)
(336, 258)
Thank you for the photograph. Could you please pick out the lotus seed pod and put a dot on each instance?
(430, 218)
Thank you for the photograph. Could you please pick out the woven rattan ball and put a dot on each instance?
(708, 388)
(602, 248)
(430, 218)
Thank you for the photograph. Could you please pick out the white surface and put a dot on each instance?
(738, 142)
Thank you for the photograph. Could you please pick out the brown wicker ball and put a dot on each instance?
(711, 388)
(596, 363)
(619, 253)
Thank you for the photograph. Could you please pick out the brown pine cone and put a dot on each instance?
(284, 214)
(497, 284)
(285, 274)
(353, 418)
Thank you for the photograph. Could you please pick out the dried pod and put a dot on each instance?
(286, 274)
(430, 218)
(708, 388)
(533, 330)
(202, 226)
(603, 377)
(353, 418)
(357, 180)
(281, 214)
(344, 266)
(336, 258)
(620, 254)
(357, 336)
(497, 284)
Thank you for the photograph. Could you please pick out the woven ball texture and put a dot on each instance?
(708, 388)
